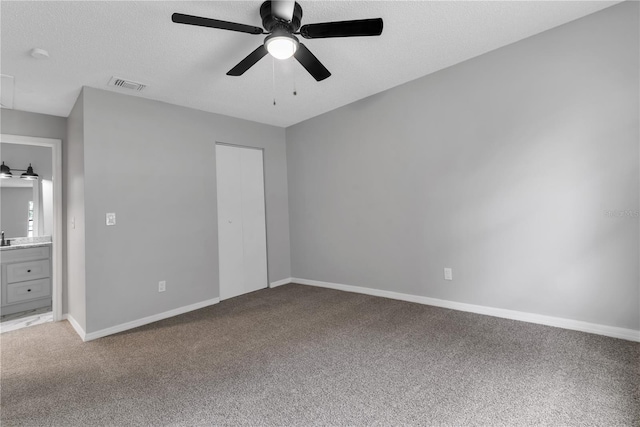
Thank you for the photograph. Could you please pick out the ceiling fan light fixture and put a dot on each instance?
(281, 47)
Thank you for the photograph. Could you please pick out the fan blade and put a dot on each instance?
(283, 9)
(362, 27)
(311, 63)
(179, 18)
(248, 62)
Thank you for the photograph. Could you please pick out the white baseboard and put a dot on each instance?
(139, 322)
(576, 325)
(280, 282)
(76, 326)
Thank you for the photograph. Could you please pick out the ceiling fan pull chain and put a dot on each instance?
(295, 91)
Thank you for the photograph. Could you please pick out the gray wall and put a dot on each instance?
(73, 159)
(15, 122)
(153, 164)
(503, 167)
(14, 210)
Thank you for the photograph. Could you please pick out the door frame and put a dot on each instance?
(56, 233)
(266, 212)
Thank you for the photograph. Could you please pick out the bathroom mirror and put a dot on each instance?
(17, 207)
(26, 206)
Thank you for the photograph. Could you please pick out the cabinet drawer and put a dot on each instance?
(20, 255)
(30, 270)
(25, 291)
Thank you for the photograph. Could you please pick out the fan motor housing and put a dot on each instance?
(271, 22)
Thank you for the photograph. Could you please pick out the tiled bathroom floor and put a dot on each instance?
(11, 322)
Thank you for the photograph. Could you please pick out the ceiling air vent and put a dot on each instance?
(126, 84)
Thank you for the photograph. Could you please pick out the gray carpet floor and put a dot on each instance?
(299, 356)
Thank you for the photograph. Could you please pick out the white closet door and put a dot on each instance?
(230, 247)
(254, 236)
(242, 237)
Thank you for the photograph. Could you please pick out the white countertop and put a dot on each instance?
(24, 245)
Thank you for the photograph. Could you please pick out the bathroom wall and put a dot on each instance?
(19, 156)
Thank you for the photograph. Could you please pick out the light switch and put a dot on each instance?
(73, 222)
(111, 219)
(448, 274)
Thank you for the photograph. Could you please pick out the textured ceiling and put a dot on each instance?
(89, 42)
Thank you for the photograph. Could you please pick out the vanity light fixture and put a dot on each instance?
(29, 174)
(5, 172)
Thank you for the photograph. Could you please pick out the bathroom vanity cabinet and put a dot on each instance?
(26, 278)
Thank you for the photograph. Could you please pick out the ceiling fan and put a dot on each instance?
(281, 21)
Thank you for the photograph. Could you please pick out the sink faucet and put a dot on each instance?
(3, 242)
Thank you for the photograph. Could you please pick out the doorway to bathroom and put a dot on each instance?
(31, 221)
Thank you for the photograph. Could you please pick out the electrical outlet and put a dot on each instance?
(162, 286)
(111, 219)
(448, 273)
(73, 222)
